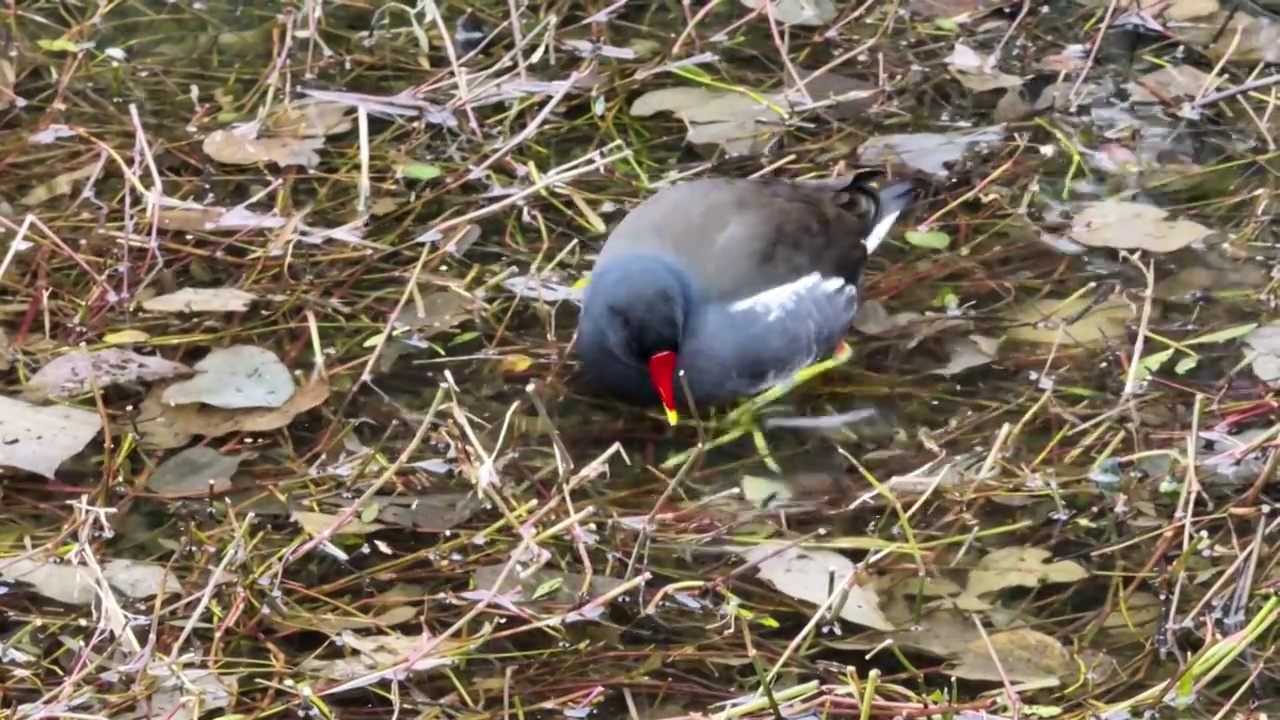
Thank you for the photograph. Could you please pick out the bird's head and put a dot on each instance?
(636, 309)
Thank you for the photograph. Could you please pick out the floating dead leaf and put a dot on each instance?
(190, 219)
(811, 574)
(1072, 58)
(437, 312)
(967, 352)
(940, 632)
(426, 512)
(797, 12)
(1265, 343)
(953, 10)
(6, 351)
(1020, 567)
(931, 477)
(1026, 656)
(167, 426)
(1246, 38)
(873, 319)
(187, 216)
(546, 288)
(1139, 614)
(977, 71)
(332, 624)
(81, 371)
(235, 377)
(179, 694)
(544, 585)
(201, 300)
(242, 146)
(7, 79)
(373, 654)
(75, 584)
(764, 491)
(39, 439)
(1164, 9)
(1015, 105)
(60, 186)
(1191, 283)
(1038, 321)
(850, 97)
(317, 523)
(927, 152)
(198, 470)
(125, 337)
(311, 117)
(1133, 226)
(1172, 83)
(735, 121)
(515, 363)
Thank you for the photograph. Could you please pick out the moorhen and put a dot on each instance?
(740, 283)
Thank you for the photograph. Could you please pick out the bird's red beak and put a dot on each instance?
(662, 371)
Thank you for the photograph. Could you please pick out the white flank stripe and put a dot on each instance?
(880, 230)
(778, 301)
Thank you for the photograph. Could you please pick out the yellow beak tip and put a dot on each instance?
(672, 416)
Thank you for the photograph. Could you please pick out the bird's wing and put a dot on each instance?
(739, 237)
(753, 343)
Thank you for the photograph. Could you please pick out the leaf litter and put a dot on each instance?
(81, 371)
(201, 300)
(78, 585)
(164, 425)
(39, 439)
(196, 470)
(235, 378)
(967, 459)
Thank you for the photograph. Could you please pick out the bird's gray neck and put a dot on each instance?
(633, 274)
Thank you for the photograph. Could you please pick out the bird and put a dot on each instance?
(738, 283)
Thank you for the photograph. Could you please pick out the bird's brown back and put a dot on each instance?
(737, 237)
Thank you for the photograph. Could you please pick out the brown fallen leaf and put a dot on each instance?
(82, 371)
(323, 523)
(1026, 656)
(954, 10)
(6, 351)
(1170, 83)
(38, 439)
(168, 426)
(242, 146)
(978, 71)
(201, 300)
(59, 186)
(78, 585)
(1085, 324)
(1133, 226)
(311, 117)
(198, 470)
(7, 78)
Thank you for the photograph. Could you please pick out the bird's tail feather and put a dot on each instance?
(892, 201)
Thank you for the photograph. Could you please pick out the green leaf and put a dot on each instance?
(692, 72)
(1223, 335)
(59, 45)
(370, 512)
(464, 337)
(946, 24)
(1152, 362)
(930, 239)
(547, 588)
(421, 171)
(1185, 364)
